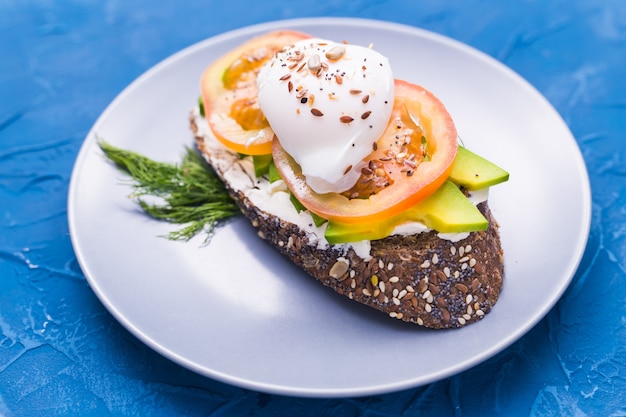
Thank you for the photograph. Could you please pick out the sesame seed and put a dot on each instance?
(395, 301)
(427, 294)
(467, 317)
(453, 250)
(468, 248)
(446, 271)
(461, 321)
(420, 322)
(469, 299)
(394, 279)
(480, 313)
(435, 259)
(402, 294)
(464, 259)
(425, 264)
(382, 286)
(472, 262)
(428, 308)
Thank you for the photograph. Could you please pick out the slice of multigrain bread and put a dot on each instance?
(424, 279)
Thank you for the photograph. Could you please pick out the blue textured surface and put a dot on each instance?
(61, 352)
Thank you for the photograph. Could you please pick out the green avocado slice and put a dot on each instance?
(474, 172)
(447, 210)
(262, 164)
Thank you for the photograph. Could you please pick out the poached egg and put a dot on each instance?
(328, 103)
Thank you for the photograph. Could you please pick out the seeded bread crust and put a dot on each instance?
(422, 279)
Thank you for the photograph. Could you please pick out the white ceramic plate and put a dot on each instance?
(236, 311)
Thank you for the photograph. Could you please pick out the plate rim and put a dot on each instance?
(89, 144)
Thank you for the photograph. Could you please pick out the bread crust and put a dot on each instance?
(422, 279)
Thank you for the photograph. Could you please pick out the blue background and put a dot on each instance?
(62, 353)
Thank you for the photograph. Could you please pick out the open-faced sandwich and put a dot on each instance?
(355, 176)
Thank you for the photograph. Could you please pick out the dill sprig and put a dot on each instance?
(190, 193)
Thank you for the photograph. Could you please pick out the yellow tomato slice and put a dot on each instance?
(410, 161)
(229, 93)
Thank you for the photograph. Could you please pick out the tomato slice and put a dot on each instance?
(410, 161)
(229, 93)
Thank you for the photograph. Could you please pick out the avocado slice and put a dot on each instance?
(474, 172)
(273, 172)
(447, 210)
(317, 220)
(343, 232)
(261, 164)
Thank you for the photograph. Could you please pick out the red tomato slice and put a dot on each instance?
(410, 161)
(229, 93)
